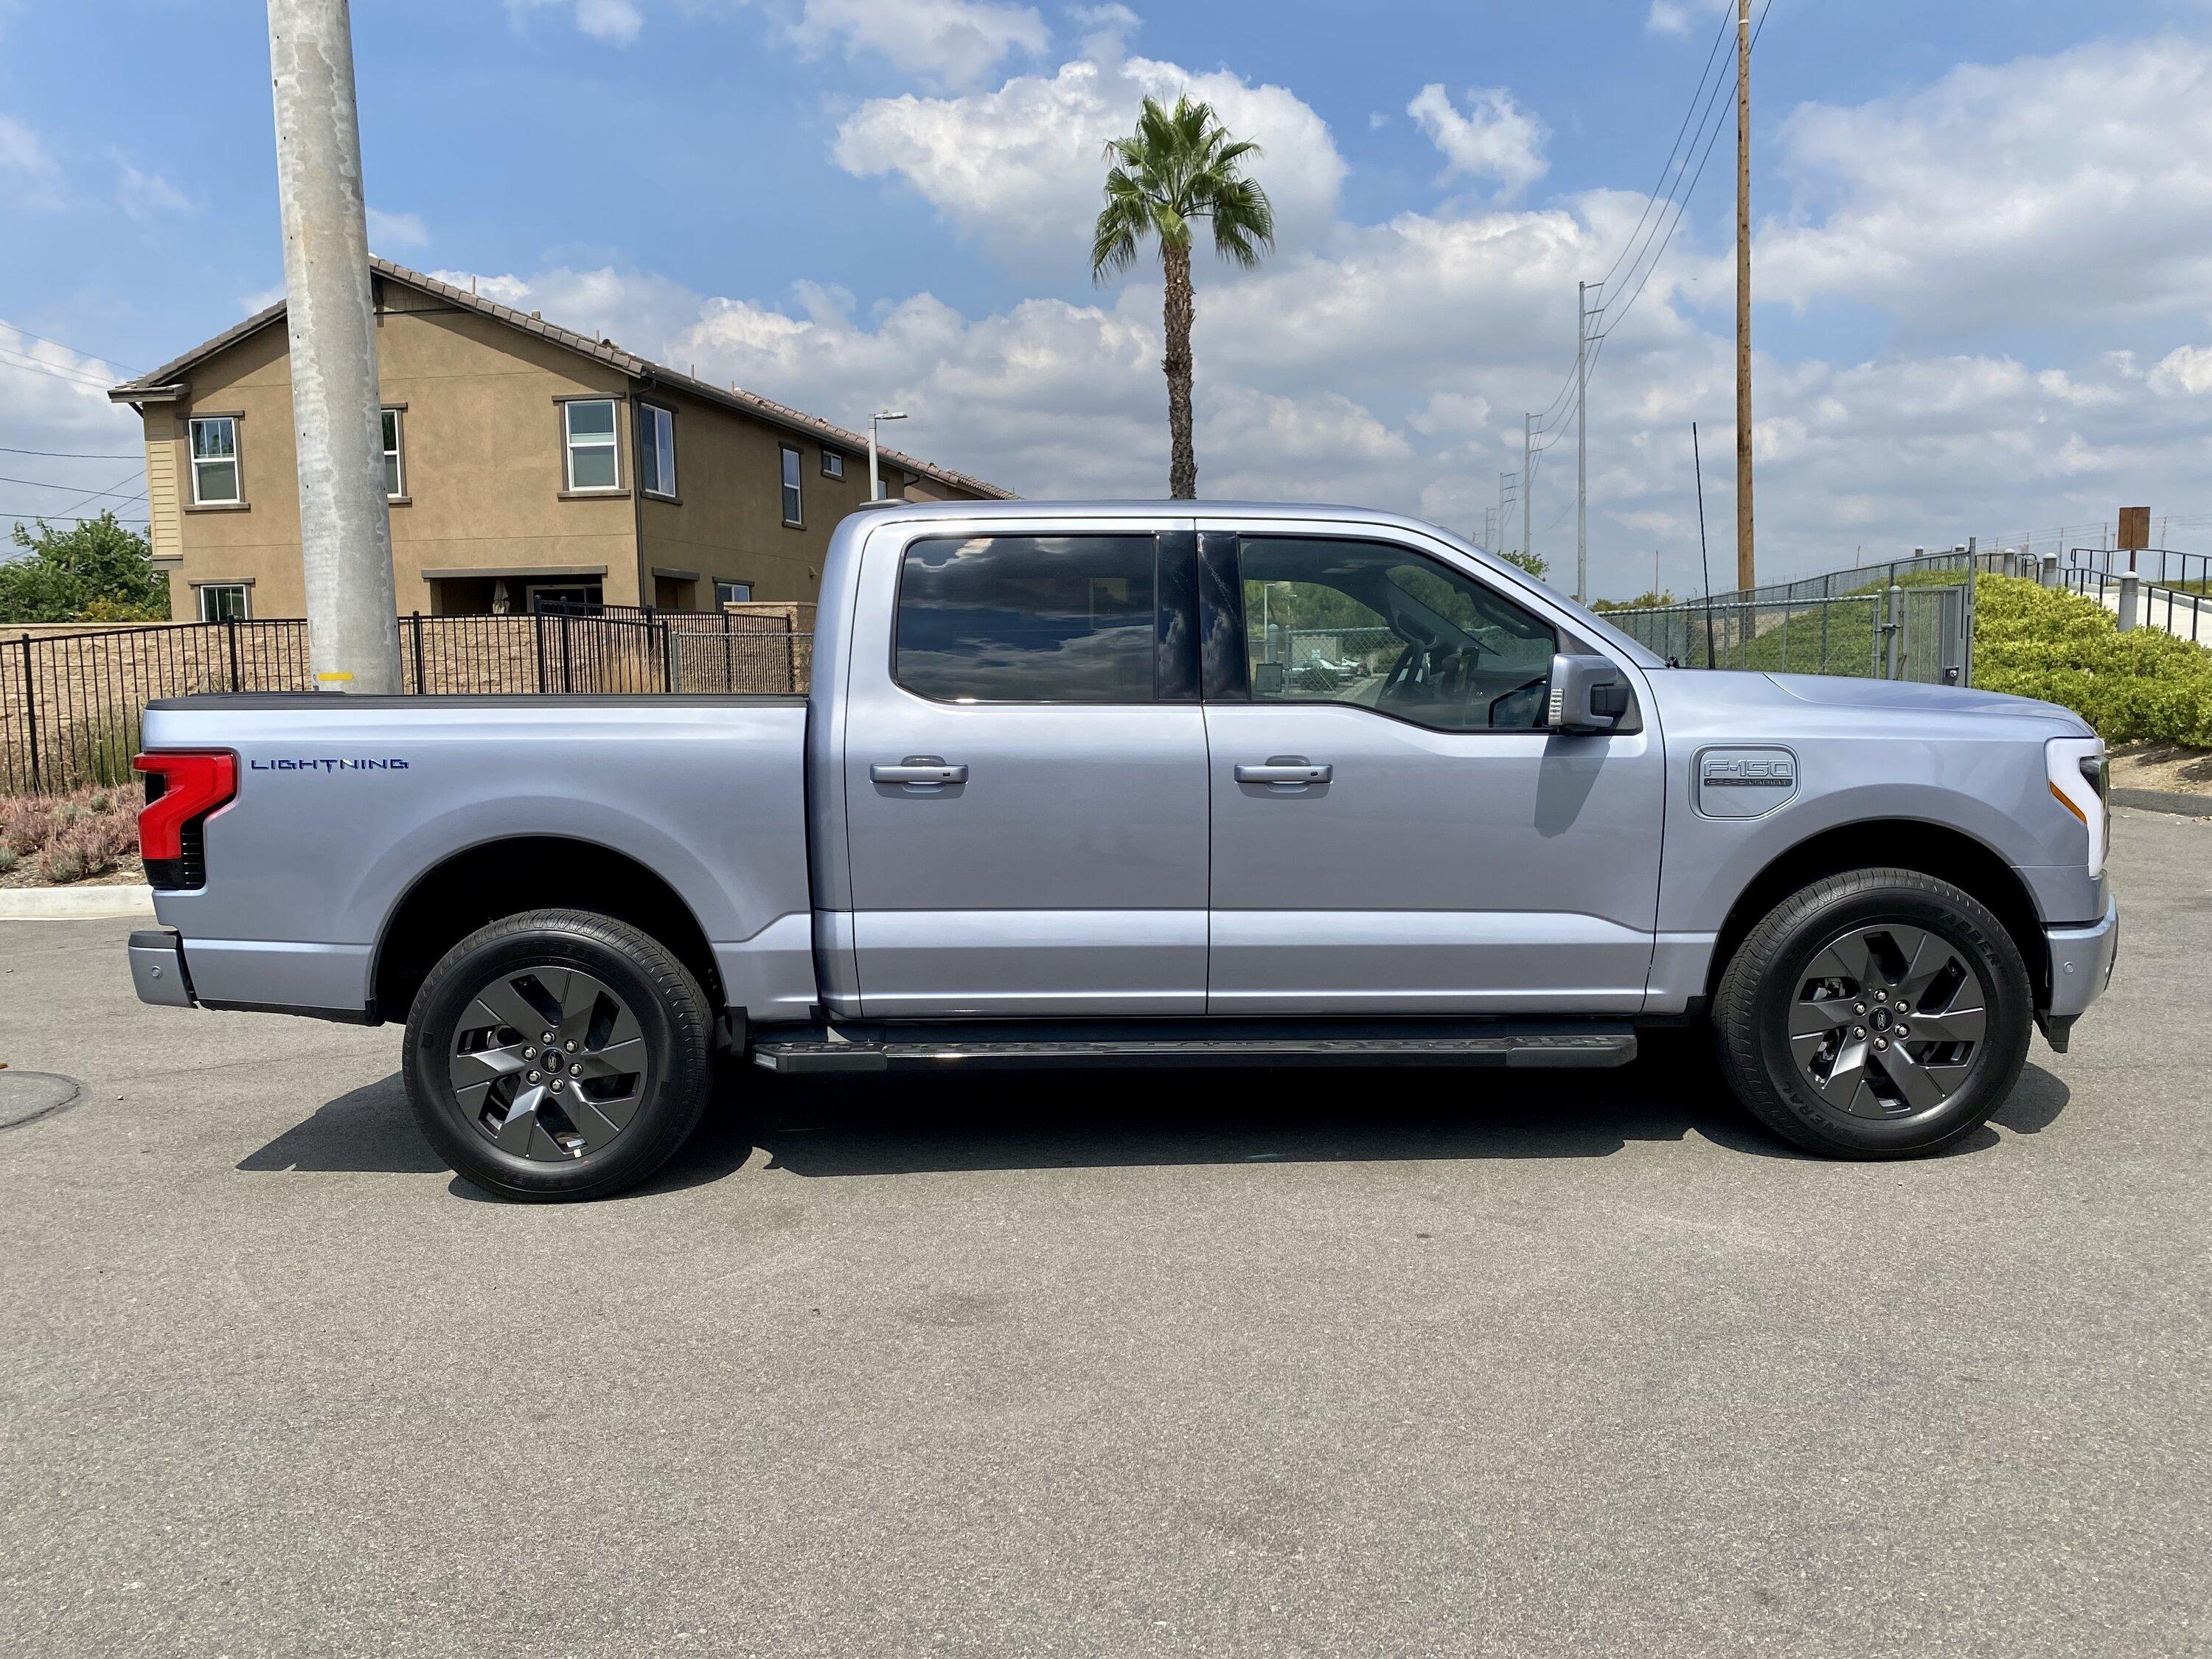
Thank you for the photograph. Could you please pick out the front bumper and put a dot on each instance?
(157, 968)
(2081, 961)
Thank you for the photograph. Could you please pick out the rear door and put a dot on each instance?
(1393, 830)
(1025, 774)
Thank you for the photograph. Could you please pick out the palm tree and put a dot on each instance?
(1179, 165)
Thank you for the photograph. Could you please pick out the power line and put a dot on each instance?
(41, 484)
(1682, 208)
(65, 454)
(60, 373)
(1711, 57)
(70, 518)
(26, 333)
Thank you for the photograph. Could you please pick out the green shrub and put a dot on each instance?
(2045, 642)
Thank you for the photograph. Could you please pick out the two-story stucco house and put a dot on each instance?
(524, 461)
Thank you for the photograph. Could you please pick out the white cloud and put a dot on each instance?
(2185, 370)
(1018, 169)
(62, 403)
(956, 42)
(2067, 189)
(29, 177)
(1678, 17)
(1496, 139)
(143, 195)
(387, 231)
(616, 22)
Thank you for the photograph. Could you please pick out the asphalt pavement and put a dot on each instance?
(1295, 1361)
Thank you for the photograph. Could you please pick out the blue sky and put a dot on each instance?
(1985, 237)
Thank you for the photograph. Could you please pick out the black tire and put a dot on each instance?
(612, 967)
(1785, 973)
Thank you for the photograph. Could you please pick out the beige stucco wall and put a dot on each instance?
(483, 460)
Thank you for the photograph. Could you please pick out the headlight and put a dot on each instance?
(2076, 766)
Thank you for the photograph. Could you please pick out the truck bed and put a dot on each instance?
(345, 803)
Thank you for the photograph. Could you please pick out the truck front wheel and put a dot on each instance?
(1875, 1014)
(558, 1054)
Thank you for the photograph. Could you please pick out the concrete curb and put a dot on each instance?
(75, 903)
(2165, 800)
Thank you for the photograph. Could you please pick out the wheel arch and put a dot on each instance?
(1931, 849)
(499, 878)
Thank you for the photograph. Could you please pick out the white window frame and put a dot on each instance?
(570, 444)
(830, 455)
(653, 421)
(722, 598)
(192, 454)
(244, 590)
(790, 481)
(397, 454)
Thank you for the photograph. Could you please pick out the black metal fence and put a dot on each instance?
(71, 703)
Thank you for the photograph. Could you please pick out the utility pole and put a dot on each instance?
(1508, 488)
(1581, 443)
(875, 471)
(1744, 577)
(345, 524)
(1527, 484)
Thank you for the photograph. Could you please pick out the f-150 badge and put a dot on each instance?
(1745, 783)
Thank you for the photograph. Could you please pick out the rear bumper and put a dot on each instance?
(2081, 961)
(157, 968)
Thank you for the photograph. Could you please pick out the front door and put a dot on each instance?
(1393, 831)
(1024, 769)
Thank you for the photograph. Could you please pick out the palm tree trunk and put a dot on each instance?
(1181, 306)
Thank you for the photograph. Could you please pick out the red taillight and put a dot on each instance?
(192, 787)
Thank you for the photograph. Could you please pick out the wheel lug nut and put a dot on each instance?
(535, 1076)
(1858, 1030)
(1858, 1007)
(556, 1086)
(530, 1054)
(571, 1047)
(548, 1037)
(1879, 1043)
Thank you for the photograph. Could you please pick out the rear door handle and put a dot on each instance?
(917, 772)
(1286, 770)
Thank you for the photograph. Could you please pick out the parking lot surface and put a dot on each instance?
(1296, 1362)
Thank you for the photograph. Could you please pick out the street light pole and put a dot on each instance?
(875, 473)
(345, 523)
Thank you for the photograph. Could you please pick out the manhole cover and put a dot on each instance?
(26, 1094)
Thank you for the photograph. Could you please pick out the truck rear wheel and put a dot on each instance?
(1876, 1014)
(558, 1054)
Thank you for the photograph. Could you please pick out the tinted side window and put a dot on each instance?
(1386, 629)
(1027, 619)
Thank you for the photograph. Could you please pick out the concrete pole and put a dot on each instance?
(345, 524)
(1581, 443)
(1746, 574)
(1527, 484)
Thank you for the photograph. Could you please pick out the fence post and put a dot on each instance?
(538, 633)
(1896, 628)
(567, 672)
(1824, 627)
(2130, 601)
(230, 628)
(31, 710)
(415, 626)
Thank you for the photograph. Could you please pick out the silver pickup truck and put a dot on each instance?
(1143, 782)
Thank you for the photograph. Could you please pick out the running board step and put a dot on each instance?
(1583, 1049)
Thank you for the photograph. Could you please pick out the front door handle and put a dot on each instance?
(917, 772)
(1287, 769)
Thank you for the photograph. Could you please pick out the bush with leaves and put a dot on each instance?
(2045, 642)
(100, 570)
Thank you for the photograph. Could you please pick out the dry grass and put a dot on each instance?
(85, 835)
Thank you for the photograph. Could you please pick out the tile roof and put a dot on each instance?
(606, 351)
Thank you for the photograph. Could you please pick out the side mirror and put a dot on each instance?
(1586, 694)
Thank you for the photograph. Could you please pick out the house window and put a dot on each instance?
(733, 592)
(656, 450)
(588, 425)
(395, 479)
(791, 502)
(833, 464)
(224, 602)
(215, 461)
